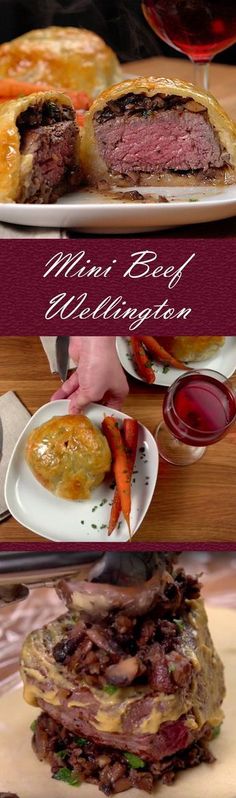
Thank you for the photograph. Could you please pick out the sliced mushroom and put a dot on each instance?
(124, 672)
(103, 639)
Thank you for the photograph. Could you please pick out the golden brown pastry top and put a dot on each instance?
(11, 161)
(73, 58)
(69, 456)
(192, 348)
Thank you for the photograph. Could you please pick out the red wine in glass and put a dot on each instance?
(198, 409)
(198, 28)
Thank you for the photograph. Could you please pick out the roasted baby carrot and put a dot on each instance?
(130, 438)
(130, 433)
(120, 464)
(115, 512)
(142, 361)
(80, 118)
(11, 88)
(158, 352)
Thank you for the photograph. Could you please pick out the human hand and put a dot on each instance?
(99, 377)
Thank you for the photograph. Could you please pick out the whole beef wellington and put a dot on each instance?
(39, 148)
(128, 680)
(73, 58)
(192, 347)
(151, 131)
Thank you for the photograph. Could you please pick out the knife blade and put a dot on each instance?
(62, 355)
(20, 573)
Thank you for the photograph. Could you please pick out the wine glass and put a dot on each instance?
(198, 28)
(198, 409)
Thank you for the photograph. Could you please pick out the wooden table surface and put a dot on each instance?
(222, 85)
(190, 504)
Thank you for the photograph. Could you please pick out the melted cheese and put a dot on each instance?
(32, 693)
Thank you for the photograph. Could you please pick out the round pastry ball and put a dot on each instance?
(72, 58)
(69, 456)
(192, 348)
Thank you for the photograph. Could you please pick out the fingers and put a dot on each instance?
(78, 400)
(59, 394)
(75, 347)
(67, 388)
(113, 401)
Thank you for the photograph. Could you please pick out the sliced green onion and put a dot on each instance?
(64, 774)
(63, 753)
(80, 741)
(179, 623)
(109, 688)
(33, 725)
(215, 732)
(134, 761)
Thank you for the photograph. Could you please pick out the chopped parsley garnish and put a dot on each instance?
(104, 501)
(94, 526)
(110, 689)
(134, 761)
(64, 774)
(165, 368)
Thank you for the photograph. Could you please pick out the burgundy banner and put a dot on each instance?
(118, 286)
(40, 546)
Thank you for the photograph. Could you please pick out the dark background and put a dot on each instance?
(119, 22)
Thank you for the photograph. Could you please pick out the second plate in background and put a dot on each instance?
(224, 361)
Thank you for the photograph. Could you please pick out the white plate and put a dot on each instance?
(223, 361)
(91, 211)
(61, 520)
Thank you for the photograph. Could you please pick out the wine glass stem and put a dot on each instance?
(201, 74)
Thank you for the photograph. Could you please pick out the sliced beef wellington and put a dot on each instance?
(128, 681)
(158, 131)
(39, 148)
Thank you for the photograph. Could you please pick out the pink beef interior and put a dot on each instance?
(167, 140)
(47, 133)
(52, 149)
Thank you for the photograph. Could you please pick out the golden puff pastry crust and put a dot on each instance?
(193, 348)
(69, 456)
(16, 161)
(73, 58)
(110, 108)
